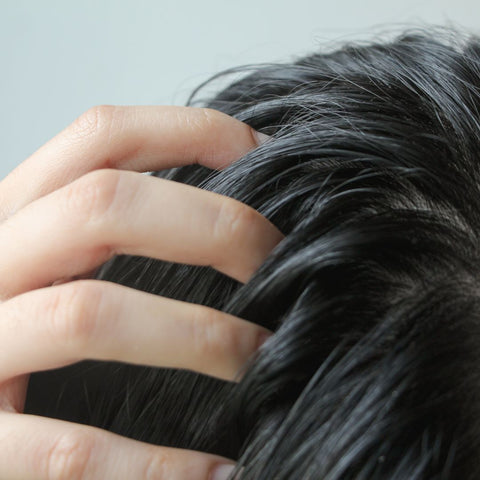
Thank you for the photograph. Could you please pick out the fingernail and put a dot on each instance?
(261, 137)
(262, 338)
(222, 472)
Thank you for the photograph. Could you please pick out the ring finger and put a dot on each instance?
(92, 319)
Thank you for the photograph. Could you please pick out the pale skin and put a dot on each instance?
(72, 205)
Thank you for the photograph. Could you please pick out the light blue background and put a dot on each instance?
(58, 58)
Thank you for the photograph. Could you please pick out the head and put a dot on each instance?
(373, 175)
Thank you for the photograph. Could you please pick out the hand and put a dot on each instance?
(70, 207)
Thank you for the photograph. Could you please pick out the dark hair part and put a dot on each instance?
(374, 370)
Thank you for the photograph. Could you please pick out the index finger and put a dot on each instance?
(138, 138)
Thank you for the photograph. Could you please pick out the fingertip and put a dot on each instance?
(261, 138)
(263, 336)
(223, 472)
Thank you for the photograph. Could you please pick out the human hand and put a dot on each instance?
(71, 206)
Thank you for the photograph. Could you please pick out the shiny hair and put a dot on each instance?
(372, 173)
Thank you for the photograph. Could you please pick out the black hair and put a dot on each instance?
(372, 173)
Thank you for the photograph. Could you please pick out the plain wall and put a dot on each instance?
(58, 58)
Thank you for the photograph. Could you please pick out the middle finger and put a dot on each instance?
(108, 212)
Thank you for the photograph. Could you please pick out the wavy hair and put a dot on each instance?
(372, 173)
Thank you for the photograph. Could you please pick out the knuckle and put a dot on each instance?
(96, 121)
(209, 117)
(69, 456)
(239, 342)
(214, 337)
(205, 333)
(234, 219)
(71, 312)
(201, 123)
(202, 119)
(158, 466)
(92, 195)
